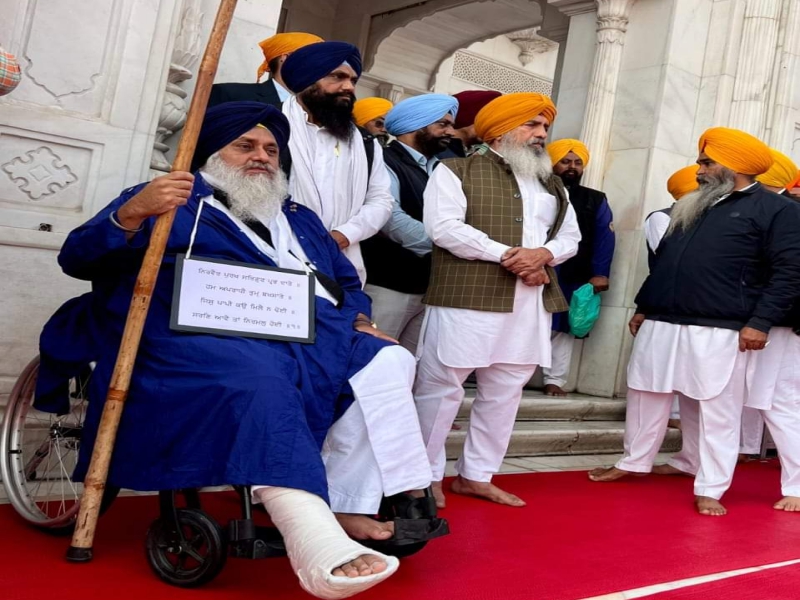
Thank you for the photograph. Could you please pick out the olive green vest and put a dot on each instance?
(494, 206)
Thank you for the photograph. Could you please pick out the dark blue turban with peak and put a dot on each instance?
(306, 66)
(225, 122)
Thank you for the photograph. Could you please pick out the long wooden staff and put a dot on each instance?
(95, 481)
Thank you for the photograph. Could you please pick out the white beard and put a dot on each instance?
(526, 160)
(691, 207)
(251, 197)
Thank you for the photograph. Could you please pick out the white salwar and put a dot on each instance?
(331, 177)
(503, 348)
(561, 345)
(702, 364)
(376, 447)
(773, 395)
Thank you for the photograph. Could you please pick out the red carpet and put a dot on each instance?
(782, 583)
(575, 539)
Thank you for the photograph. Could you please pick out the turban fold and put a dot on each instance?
(418, 112)
(559, 149)
(795, 183)
(738, 151)
(311, 63)
(225, 122)
(782, 172)
(469, 103)
(283, 43)
(508, 112)
(683, 181)
(369, 109)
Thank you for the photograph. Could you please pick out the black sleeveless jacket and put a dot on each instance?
(388, 264)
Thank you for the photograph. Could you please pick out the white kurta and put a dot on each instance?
(694, 361)
(473, 338)
(330, 177)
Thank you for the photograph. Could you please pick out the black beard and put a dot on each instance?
(431, 145)
(334, 112)
(571, 178)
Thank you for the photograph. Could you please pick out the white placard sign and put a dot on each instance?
(232, 298)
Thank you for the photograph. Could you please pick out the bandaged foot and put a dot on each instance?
(326, 561)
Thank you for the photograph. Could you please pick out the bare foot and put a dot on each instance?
(366, 564)
(669, 470)
(788, 504)
(455, 427)
(438, 494)
(709, 506)
(743, 458)
(554, 390)
(674, 423)
(362, 527)
(485, 490)
(609, 474)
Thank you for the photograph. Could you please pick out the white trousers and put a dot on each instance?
(439, 394)
(561, 347)
(718, 432)
(752, 431)
(397, 314)
(375, 449)
(688, 459)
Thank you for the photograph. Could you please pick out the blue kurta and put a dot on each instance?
(204, 409)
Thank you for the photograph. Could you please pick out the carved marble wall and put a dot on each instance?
(79, 128)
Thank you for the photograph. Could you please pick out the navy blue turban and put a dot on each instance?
(418, 112)
(306, 66)
(225, 122)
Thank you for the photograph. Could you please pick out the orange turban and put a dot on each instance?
(561, 148)
(795, 183)
(736, 150)
(284, 43)
(368, 109)
(508, 112)
(683, 181)
(782, 172)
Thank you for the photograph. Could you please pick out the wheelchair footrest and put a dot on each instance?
(413, 531)
(265, 542)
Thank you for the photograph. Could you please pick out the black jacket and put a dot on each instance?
(739, 265)
(580, 268)
(233, 92)
(390, 265)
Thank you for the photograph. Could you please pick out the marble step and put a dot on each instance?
(554, 438)
(535, 406)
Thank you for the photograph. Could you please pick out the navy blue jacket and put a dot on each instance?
(738, 266)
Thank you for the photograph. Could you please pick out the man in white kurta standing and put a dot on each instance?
(726, 272)
(499, 222)
(336, 171)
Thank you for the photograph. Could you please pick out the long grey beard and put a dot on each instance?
(251, 197)
(526, 160)
(693, 205)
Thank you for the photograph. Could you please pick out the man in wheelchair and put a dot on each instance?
(302, 423)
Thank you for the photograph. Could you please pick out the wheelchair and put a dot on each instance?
(185, 547)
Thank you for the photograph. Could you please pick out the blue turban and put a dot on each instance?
(306, 66)
(418, 112)
(225, 122)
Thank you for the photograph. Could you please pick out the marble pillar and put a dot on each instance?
(612, 23)
(754, 71)
(784, 128)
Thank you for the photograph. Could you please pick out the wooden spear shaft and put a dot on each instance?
(95, 481)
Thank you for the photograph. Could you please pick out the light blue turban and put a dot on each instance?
(418, 112)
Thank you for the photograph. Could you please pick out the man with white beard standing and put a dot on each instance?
(728, 270)
(499, 222)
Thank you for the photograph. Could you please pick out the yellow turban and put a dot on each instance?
(368, 109)
(736, 150)
(683, 181)
(510, 111)
(284, 43)
(561, 148)
(782, 172)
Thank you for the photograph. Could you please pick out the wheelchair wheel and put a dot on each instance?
(193, 561)
(38, 452)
